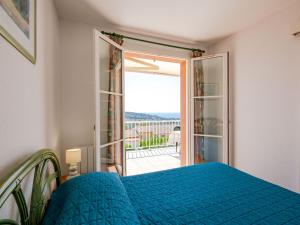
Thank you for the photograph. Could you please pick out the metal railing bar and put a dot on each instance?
(152, 134)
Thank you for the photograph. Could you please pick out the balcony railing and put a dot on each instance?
(151, 134)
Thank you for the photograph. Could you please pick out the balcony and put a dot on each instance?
(152, 145)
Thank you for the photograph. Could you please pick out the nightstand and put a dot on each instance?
(63, 178)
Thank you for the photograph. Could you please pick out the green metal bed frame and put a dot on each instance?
(11, 185)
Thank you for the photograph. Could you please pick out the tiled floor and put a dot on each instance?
(145, 161)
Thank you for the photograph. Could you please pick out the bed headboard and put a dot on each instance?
(45, 167)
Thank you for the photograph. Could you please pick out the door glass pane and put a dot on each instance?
(208, 116)
(208, 149)
(208, 77)
(111, 122)
(110, 67)
(111, 157)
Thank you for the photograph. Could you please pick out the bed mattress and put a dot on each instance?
(211, 193)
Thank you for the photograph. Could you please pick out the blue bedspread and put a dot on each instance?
(97, 198)
(211, 193)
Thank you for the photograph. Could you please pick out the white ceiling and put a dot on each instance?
(189, 21)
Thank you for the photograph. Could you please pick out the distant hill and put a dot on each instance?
(129, 116)
(167, 115)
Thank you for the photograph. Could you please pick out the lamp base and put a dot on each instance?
(73, 170)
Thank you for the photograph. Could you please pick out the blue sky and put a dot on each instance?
(151, 93)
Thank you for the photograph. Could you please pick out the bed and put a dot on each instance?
(211, 193)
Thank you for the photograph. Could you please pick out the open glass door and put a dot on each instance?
(109, 105)
(209, 109)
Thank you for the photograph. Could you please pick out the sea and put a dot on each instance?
(167, 115)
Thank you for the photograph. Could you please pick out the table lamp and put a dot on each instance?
(73, 157)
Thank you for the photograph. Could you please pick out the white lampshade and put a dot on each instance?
(73, 155)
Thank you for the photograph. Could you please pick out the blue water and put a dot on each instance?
(173, 115)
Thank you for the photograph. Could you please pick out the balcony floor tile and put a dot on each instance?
(145, 161)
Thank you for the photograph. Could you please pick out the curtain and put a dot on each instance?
(198, 108)
(115, 104)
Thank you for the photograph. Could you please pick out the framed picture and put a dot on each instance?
(18, 25)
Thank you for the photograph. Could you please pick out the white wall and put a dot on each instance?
(78, 87)
(29, 94)
(265, 93)
(77, 94)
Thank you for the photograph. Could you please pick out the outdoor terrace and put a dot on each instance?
(152, 146)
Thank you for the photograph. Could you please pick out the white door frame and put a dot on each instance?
(225, 106)
(96, 66)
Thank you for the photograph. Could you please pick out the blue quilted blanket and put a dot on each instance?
(97, 198)
(207, 194)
